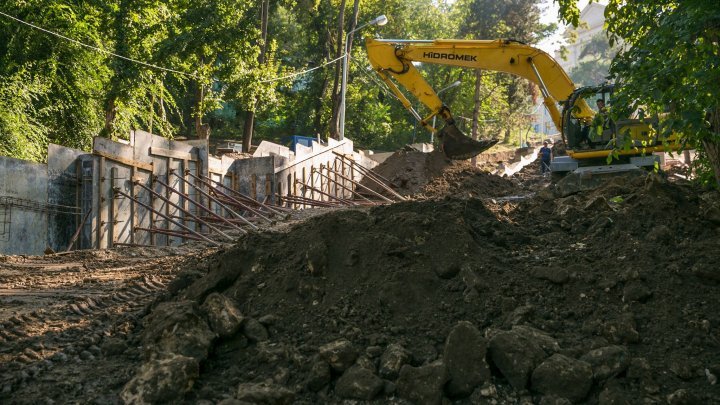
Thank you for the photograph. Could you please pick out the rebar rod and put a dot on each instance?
(142, 204)
(217, 191)
(341, 185)
(77, 232)
(307, 201)
(246, 198)
(183, 210)
(376, 174)
(342, 200)
(197, 204)
(206, 194)
(171, 233)
(376, 178)
(365, 187)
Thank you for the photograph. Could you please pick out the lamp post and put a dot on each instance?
(448, 87)
(381, 20)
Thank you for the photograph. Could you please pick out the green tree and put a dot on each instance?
(594, 65)
(668, 62)
(51, 89)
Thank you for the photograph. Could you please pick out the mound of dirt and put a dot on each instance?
(607, 296)
(587, 292)
(466, 181)
(409, 171)
(432, 175)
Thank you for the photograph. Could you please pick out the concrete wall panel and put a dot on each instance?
(23, 196)
(63, 190)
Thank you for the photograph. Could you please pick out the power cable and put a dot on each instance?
(95, 48)
(302, 72)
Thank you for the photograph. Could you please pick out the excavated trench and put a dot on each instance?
(574, 295)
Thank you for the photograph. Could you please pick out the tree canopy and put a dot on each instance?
(202, 68)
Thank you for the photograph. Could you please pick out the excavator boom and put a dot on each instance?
(393, 59)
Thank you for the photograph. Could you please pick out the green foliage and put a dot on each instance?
(53, 90)
(668, 64)
(594, 65)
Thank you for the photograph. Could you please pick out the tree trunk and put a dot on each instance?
(712, 146)
(250, 115)
(109, 119)
(199, 99)
(335, 122)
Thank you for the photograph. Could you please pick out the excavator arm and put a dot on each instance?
(393, 59)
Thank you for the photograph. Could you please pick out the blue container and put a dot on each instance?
(291, 141)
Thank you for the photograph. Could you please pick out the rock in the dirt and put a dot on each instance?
(265, 394)
(447, 270)
(113, 346)
(254, 331)
(518, 351)
(316, 258)
(613, 396)
(162, 381)
(607, 361)
(422, 385)
(553, 400)
(682, 368)
(358, 383)
(707, 271)
(367, 363)
(177, 328)
(639, 369)
(564, 377)
(683, 397)
(340, 354)
(392, 360)
(636, 291)
(222, 314)
(555, 275)
(621, 330)
(319, 376)
(464, 357)
(232, 401)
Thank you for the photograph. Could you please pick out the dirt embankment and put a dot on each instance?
(603, 296)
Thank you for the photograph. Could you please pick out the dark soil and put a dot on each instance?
(432, 175)
(631, 265)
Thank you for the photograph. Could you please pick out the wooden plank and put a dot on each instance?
(168, 153)
(129, 162)
(112, 208)
(184, 190)
(268, 188)
(168, 166)
(253, 186)
(132, 205)
(101, 199)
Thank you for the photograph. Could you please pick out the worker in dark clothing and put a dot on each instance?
(545, 157)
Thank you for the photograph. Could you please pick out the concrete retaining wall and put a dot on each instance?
(23, 198)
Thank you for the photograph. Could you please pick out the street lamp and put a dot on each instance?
(381, 20)
(450, 86)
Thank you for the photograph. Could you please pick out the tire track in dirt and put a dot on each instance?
(61, 312)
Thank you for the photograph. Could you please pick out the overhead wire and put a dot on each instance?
(302, 72)
(150, 65)
(98, 49)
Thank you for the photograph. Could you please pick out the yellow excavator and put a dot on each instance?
(631, 139)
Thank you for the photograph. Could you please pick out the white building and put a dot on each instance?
(592, 20)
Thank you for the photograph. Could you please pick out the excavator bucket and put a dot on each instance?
(458, 146)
